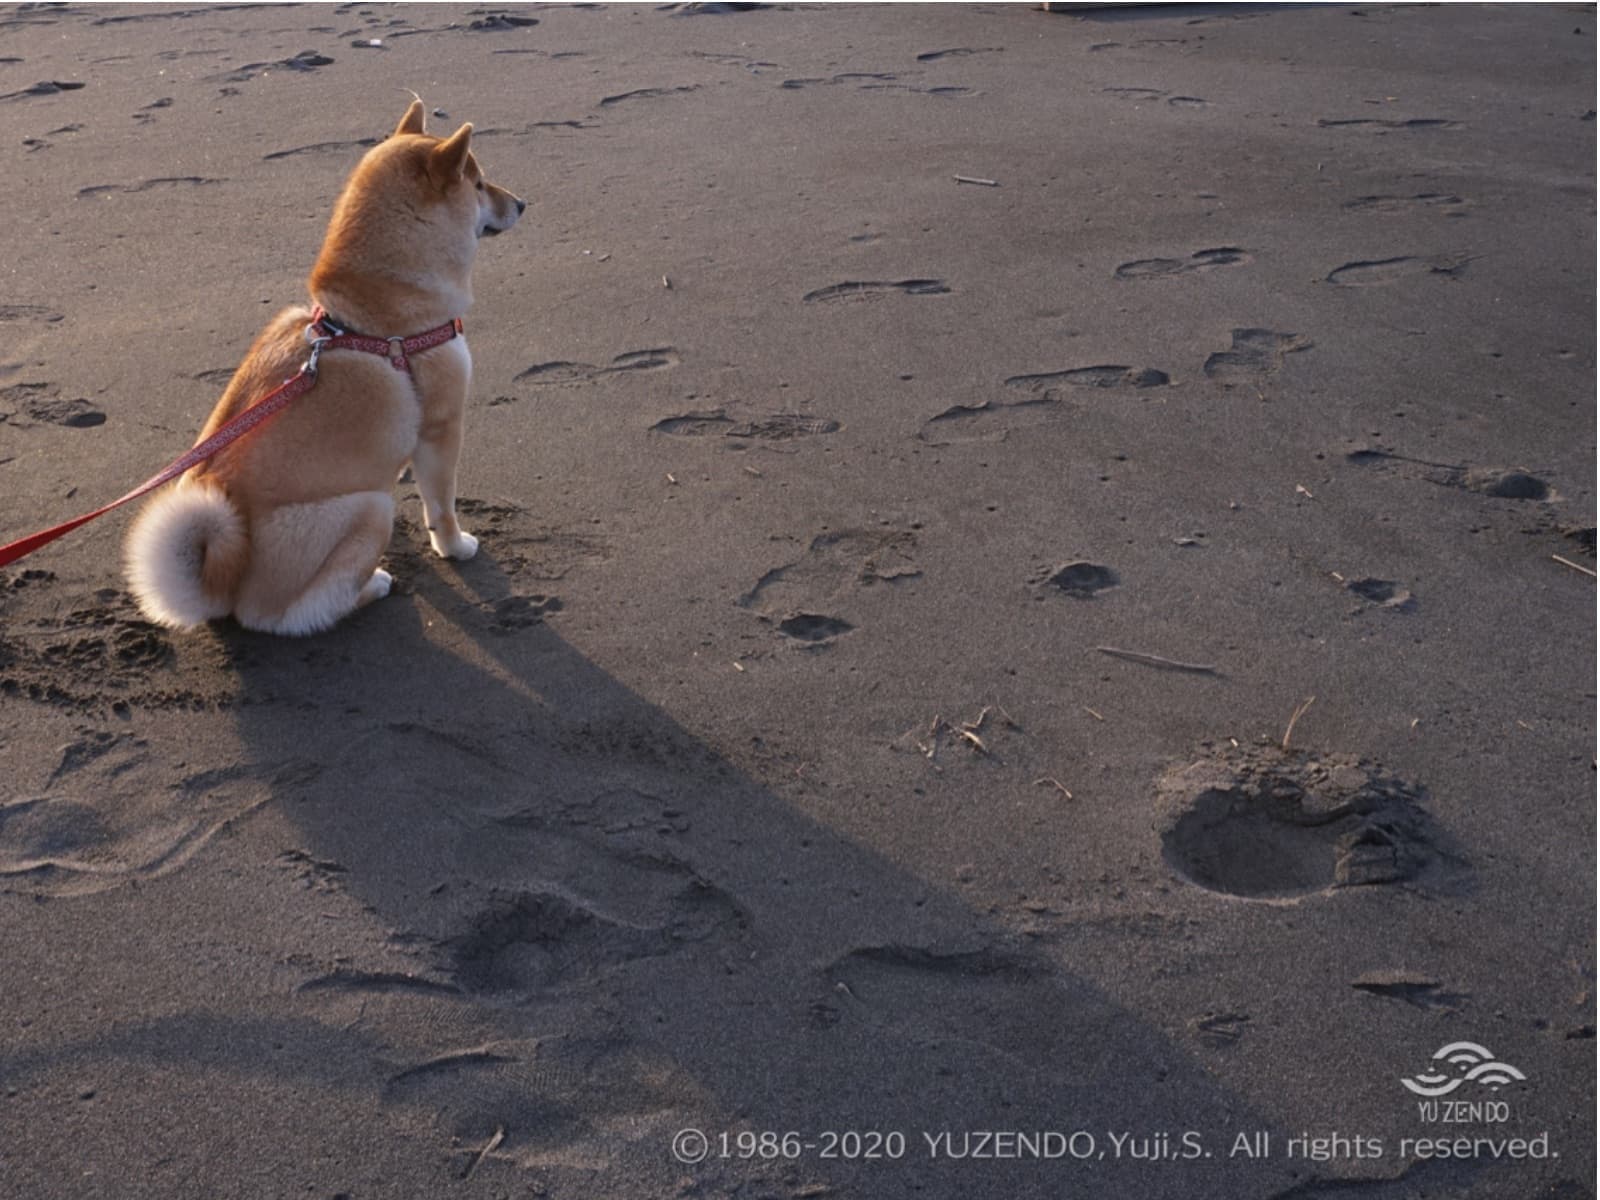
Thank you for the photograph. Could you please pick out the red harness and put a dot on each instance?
(322, 334)
(333, 336)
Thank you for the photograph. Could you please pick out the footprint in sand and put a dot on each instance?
(102, 821)
(531, 939)
(1144, 93)
(45, 87)
(101, 189)
(1408, 988)
(796, 597)
(992, 420)
(716, 423)
(1372, 125)
(1391, 270)
(563, 373)
(1450, 206)
(1384, 593)
(654, 93)
(992, 1009)
(322, 148)
(25, 404)
(1255, 353)
(873, 290)
(305, 61)
(1079, 579)
(1273, 825)
(957, 52)
(29, 312)
(1200, 260)
(1503, 483)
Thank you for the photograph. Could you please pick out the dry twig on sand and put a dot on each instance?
(1298, 713)
(1155, 660)
(1567, 562)
(488, 1149)
(1052, 781)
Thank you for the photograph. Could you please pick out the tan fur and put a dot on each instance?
(312, 488)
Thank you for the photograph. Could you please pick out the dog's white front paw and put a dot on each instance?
(376, 587)
(461, 547)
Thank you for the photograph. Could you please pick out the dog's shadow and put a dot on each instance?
(572, 928)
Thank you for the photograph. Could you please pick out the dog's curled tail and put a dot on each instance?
(186, 553)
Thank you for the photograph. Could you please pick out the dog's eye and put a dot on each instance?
(479, 185)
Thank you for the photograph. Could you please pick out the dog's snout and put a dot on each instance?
(522, 207)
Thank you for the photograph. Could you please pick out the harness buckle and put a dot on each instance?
(316, 342)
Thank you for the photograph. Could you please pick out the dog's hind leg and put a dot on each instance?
(340, 542)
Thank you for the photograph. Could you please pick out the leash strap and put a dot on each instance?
(330, 337)
(263, 410)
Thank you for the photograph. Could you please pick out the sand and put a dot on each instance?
(861, 736)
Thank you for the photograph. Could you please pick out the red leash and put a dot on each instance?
(394, 349)
(269, 406)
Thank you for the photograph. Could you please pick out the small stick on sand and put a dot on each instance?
(666, 283)
(493, 1144)
(1298, 713)
(1092, 713)
(977, 742)
(1155, 660)
(1052, 781)
(976, 180)
(1567, 562)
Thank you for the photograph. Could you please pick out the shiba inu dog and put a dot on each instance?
(284, 528)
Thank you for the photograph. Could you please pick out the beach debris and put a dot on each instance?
(1295, 717)
(1052, 781)
(1567, 562)
(1301, 490)
(1092, 713)
(489, 1148)
(966, 732)
(1156, 660)
(976, 180)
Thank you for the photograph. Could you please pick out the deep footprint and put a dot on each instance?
(1082, 580)
(1271, 825)
(1385, 593)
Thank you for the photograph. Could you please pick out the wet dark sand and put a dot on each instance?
(769, 770)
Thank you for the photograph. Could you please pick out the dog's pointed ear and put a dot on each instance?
(448, 161)
(413, 120)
